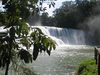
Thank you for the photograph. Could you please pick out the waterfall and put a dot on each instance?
(64, 36)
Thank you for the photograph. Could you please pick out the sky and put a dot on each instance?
(1, 5)
(58, 3)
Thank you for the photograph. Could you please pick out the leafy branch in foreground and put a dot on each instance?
(21, 43)
(18, 35)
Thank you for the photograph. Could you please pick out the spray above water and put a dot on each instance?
(92, 24)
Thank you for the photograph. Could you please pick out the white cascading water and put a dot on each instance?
(64, 36)
(71, 50)
(64, 60)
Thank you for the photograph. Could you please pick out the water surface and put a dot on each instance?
(62, 61)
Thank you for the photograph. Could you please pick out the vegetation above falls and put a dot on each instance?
(70, 14)
(14, 18)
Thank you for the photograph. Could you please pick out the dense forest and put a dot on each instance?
(70, 15)
(78, 14)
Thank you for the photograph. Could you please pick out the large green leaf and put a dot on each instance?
(25, 55)
(35, 51)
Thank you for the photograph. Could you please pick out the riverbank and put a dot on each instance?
(87, 67)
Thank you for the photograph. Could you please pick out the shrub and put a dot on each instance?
(87, 67)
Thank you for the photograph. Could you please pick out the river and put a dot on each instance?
(62, 61)
(70, 51)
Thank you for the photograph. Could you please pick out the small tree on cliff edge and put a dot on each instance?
(17, 11)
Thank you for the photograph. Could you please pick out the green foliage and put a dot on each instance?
(44, 19)
(36, 38)
(17, 66)
(73, 13)
(25, 55)
(3, 19)
(87, 67)
(47, 20)
(67, 15)
(41, 43)
(18, 36)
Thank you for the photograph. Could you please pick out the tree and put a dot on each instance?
(44, 19)
(66, 15)
(18, 33)
(73, 13)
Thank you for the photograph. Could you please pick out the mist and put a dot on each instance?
(92, 24)
(34, 20)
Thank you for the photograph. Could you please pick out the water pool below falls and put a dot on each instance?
(62, 61)
(71, 50)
